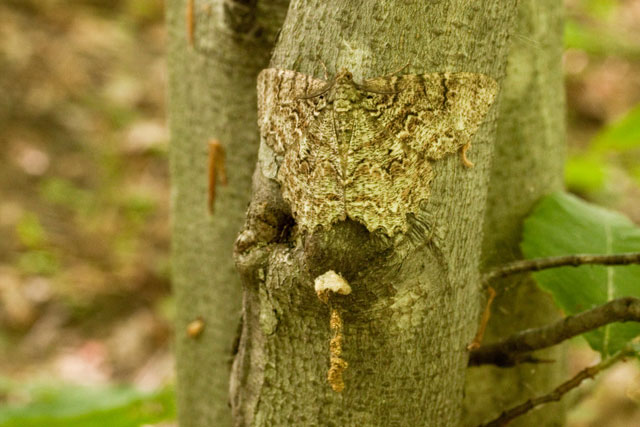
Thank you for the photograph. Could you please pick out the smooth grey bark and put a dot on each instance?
(211, 95)
(528, 163)
(414, 304)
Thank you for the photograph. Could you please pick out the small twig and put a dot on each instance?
(559, 391)
(510, 351)
(475, 344)
(559, 261)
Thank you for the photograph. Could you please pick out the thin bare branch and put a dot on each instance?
(513, 349)
(559, 391)
(486, 315)
(559, 261)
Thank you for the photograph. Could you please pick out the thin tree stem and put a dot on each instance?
(559, 391)
(539, 264)
(513, 349)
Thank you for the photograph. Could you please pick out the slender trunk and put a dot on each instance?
(414, 304)
(211, 96)
(528, 162)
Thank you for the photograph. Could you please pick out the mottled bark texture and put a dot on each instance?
(414, 301)
(211, 95)
(527, 164)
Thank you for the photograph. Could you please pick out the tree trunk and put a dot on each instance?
(528, 163)
(211, 96)
(414, 304)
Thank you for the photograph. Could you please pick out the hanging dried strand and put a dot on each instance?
(326, 286)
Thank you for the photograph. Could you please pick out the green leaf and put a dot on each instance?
(585, 173)
(72, 406)
(562, 224)
(597, 41)
(624, 134)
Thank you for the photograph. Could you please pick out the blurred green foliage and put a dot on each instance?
(84, 257)
(64, 193)
(587, 169)
(598, 41)
(38, 262)
(622, 135)
(585, 173)
(600, 8)
(59, 405)
(30, 232)
(36, 259)
(594, 31)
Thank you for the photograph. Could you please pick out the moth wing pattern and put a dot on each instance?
(298, 132)
(406, 122)
(386, 179)
(400, 125)
(436, 113)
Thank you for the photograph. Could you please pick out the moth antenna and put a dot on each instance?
(393, 73)
(322, 91)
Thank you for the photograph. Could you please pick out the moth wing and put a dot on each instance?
(404, 123)
(282, 114)
(436, 113)
(311, 176)
(386, 179)
(300, 131)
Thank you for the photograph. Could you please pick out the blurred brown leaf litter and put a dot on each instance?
(84, 191)
(84, 284)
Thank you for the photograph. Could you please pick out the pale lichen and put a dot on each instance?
(331, 282)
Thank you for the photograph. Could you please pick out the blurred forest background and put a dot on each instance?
(85, 303)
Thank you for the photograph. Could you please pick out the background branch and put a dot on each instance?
(538, 264)
(510, 351)
(559, 391)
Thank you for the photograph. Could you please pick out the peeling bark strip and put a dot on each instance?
(217, 171)
(357, 151)
(190, 22)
